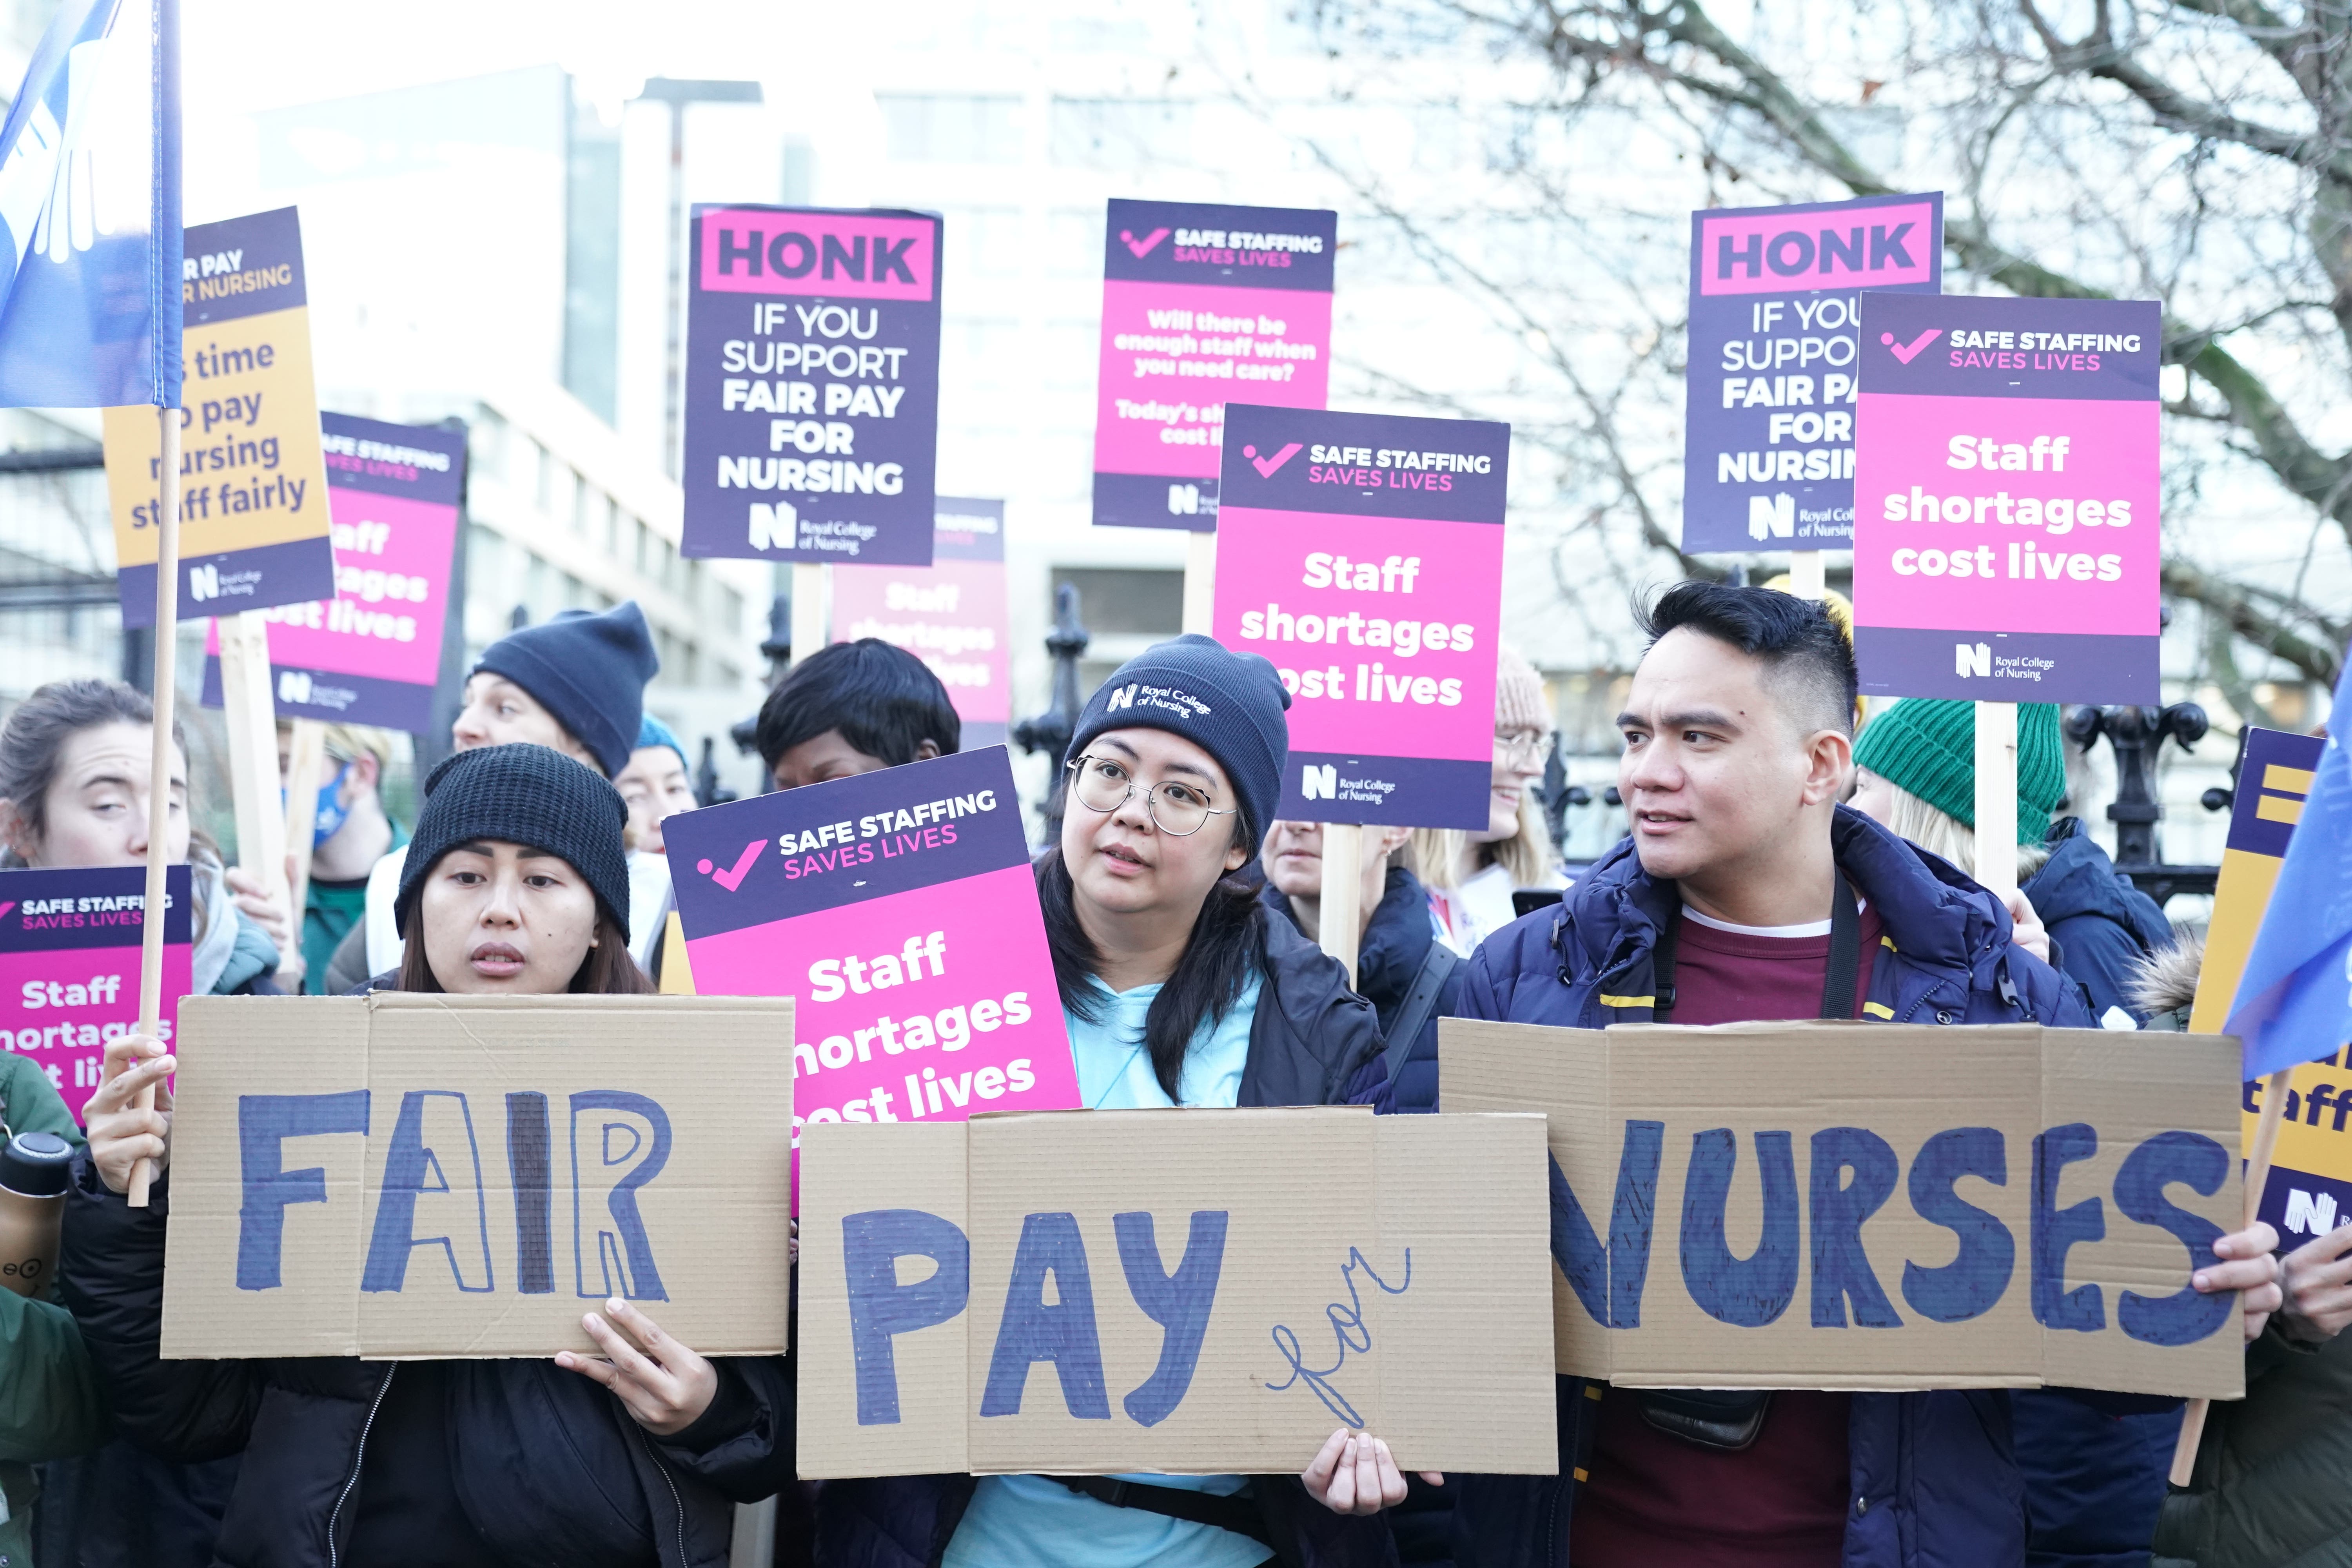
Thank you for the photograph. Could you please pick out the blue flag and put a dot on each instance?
(2294, 1000)
(89, 213)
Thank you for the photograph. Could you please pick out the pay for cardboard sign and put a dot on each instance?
(409, 1177)
(1174, 1291)
(1879, 1206)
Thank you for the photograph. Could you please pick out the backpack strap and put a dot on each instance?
(1238, 1515)
(1437, 965)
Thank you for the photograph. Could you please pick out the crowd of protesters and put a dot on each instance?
(1776, 865)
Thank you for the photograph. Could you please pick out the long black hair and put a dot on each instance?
(1228, 942)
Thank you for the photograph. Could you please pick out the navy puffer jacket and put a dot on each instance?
(1934, 1482)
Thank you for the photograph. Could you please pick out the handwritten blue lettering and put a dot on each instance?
(1348, 1328)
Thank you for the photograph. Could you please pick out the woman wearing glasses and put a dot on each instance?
(1178, 992)
(1471, 875)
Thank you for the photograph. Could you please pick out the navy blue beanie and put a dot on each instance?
(589, 671)
(1228, 704)
(531, 796)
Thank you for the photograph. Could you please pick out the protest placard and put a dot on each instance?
(1278, 1273)
(371, 655)
(1202, 303)
(1775, 299)
(1363, 554)
(412, 1174)
(70, 965)
(253, 488)
(2006, 490)
(950, 615)
(899, 909)
(812, 385)
(1999, 1206)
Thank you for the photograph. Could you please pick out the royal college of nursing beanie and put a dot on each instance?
(532, 795)
(588, 671)
(1228, 704)
(1929, 746)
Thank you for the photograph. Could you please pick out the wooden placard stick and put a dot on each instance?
(249, 720)
(305, 748)
(1200, 582)
(1996, 866)
(812, 607)
(159, 772)
(1341, 933)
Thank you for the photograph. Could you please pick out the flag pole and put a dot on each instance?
(159, 772)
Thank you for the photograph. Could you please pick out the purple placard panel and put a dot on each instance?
(899, 909)
(1200, 303)
(2006, 489)
(812, 385)
(1768, 452)
(69, 966)
(1363, 554)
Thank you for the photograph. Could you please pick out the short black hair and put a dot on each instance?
(883, 699)
(1796, 639)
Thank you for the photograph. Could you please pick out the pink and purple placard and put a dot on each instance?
(898, 910)
(69, 966)
(1202, 303)
(2006, 497)
(1767, 446)
(372, 654)
(951, 613)
(1363, 554)
(812, 385)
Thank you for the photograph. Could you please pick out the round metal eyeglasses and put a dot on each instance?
(1176, 808)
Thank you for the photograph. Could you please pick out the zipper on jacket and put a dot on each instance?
(677, 1503)
(358, 1456)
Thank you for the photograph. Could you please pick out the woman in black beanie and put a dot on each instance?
(517, 884)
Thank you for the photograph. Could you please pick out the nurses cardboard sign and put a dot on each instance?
(372, 654)
(951, 613)
(812, 385)
(69, 966)
(1202, 303)
(1879, 1206)
(253, 483)
(1175, 1292)
(1363, 554)
(407, 1176)
(899, 909)
(1775, 300)
(2006, 492)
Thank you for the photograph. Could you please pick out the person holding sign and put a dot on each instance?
(517, 885)
(1471, 875)
(1746, 891)
(1178, 991)
(854, 708)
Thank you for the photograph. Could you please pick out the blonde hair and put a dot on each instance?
(1941, 833)
(1433, 853)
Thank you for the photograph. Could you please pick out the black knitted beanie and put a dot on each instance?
(521, 795)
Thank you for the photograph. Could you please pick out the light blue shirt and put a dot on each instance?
(1036, 1522)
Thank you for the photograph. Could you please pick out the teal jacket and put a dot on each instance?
(49, 1404)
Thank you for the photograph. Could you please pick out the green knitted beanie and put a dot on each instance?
(1929, 748)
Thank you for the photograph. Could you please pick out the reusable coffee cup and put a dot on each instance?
(33, 1179)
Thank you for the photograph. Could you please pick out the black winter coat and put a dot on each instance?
(1395, 945)
(1312, 1042)
(2102, 924)
(548, 1467)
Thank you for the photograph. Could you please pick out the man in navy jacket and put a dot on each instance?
(1737, 748)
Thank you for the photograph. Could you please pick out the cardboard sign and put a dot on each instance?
(70, 965)
(1202, 303)
(410, 1175)
(1775, 303)
(1363, 554)
(2309, 1191)
(1179, 1292)
(2006, 490)
(812, 385)
(371, 655)
(1875, 1205)
(253, 484)
(898, 908)
(950, 615)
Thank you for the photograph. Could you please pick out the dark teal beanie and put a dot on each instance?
(1929, 746)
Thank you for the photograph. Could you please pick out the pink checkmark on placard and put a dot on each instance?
(1266, 465)
(1909, 352)
(732, 877)
(1142, 247)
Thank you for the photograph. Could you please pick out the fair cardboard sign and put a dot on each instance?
(950, 615)
(69, 966)
(1880, 1206)
(371, 655)
(253, 482)
(900, 909)
(415, 1176)
(2006, 490)
(1363, 554)
(1177, 1292)
(1202, 303)
(1775, 312)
